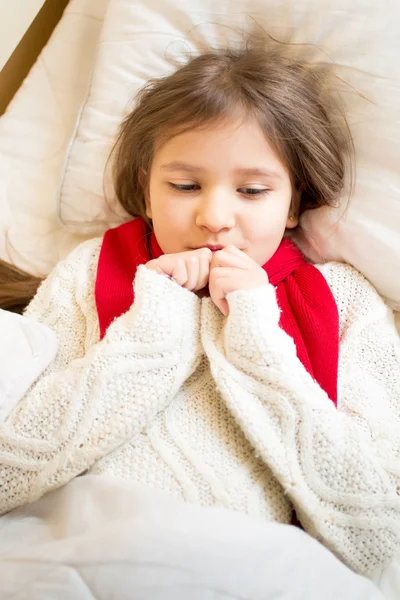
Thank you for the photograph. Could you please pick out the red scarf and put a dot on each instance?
(308, 309)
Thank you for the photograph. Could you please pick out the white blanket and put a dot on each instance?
(26, 349)
(105, 538)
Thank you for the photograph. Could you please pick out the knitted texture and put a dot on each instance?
(215, 410)
(308, 310)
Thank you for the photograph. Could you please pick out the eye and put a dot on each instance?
(248, 191)
(184, 187)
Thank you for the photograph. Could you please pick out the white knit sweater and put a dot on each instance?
(215, 410)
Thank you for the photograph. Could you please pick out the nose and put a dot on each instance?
(215, 211)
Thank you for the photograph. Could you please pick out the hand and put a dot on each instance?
(189, 269)
(231, 270)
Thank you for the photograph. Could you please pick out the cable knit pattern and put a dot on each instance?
(340, 468)
(217, 410)
(75, 415)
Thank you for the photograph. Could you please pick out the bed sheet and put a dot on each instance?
(34, 135)
(26, 349)
(101, 538)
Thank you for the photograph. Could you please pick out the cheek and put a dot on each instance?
(264, 230)
(266, 222)
(171, 220)
(167, 215)
(167, 207)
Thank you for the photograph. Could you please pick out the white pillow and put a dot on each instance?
(34, 136)
(140, 37)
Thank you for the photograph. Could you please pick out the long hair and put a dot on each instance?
(294, 100)
(17, 288)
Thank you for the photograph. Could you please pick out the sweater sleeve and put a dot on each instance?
(88, 404)
(340, 467)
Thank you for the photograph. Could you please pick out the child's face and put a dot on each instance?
(218, 186)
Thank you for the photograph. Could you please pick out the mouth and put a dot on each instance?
(216, 247)
(212, 247)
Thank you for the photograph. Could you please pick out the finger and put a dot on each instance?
(231, 279)
(217, 295)
(235, 250)
(204, 271)
(223, 306)
(193, 270)
(224, 273)
(231, 256)
(203, 254)
(179, 271)
(155, 265)
(222, 281)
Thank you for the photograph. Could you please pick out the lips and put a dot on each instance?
(216, 247)
(212, 247)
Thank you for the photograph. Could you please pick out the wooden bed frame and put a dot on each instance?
(25, 54)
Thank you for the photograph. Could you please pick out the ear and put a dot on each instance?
(144, 184)
(293, 216)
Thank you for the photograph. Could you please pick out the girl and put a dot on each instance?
(199, 352)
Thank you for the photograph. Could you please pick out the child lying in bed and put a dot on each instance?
(199, 352)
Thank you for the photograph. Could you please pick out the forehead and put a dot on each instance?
(230, 142)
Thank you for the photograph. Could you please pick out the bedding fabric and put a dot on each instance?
(147, 38)
(26, 349)
(101, 538)
(34, 135)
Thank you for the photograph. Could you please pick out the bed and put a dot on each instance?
(34, 136)
(101, 538)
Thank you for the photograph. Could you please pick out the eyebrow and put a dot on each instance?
(181, 166)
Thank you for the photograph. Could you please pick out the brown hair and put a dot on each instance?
(292, 98)
(17, 288)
